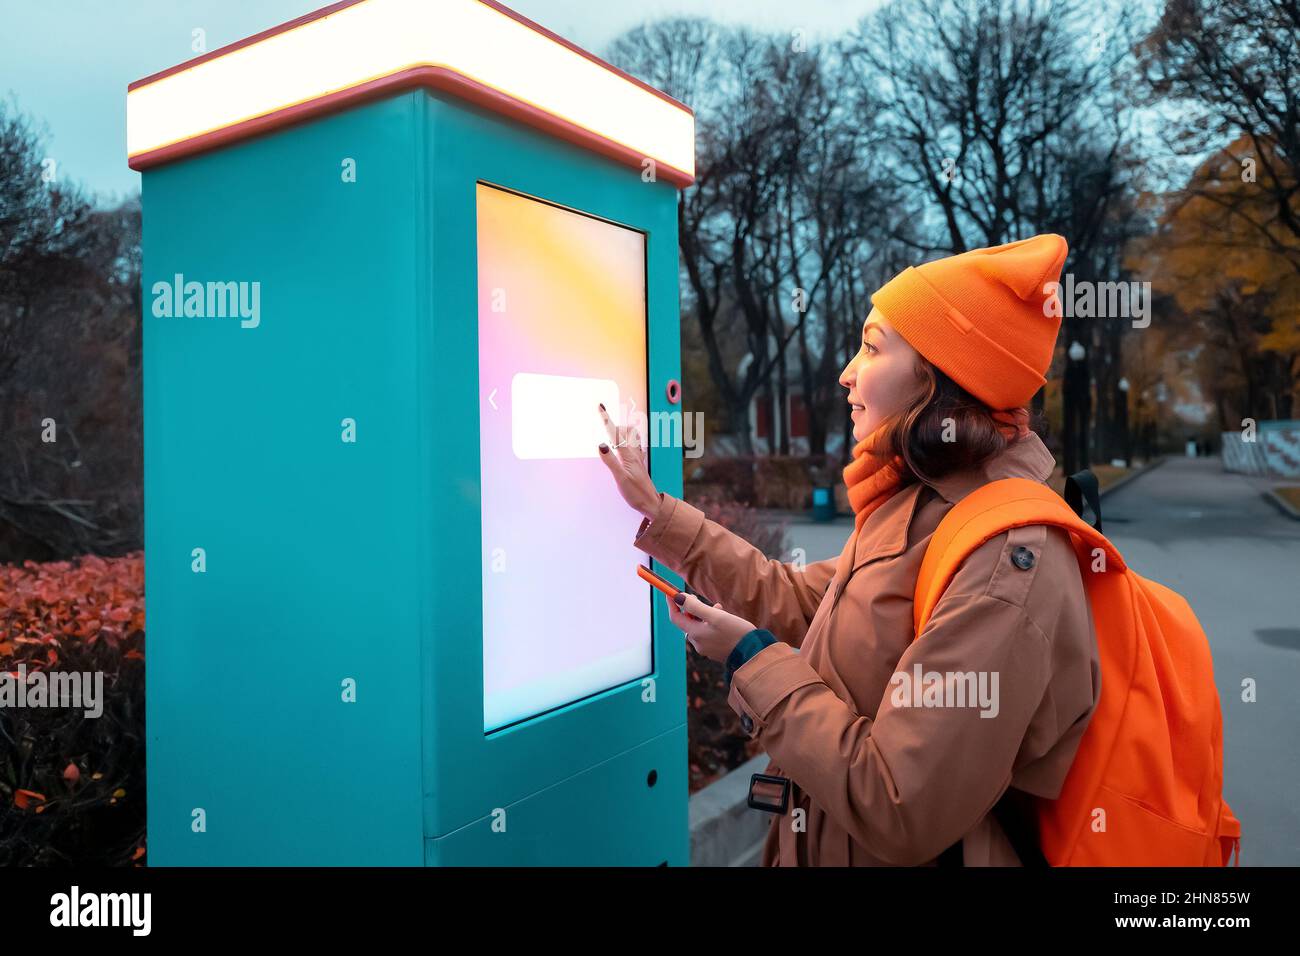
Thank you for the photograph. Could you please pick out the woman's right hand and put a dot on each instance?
(625, 459)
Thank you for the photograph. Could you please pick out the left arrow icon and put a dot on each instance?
(490, 402)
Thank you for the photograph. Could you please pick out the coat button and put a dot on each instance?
(746, 723)
(1022, 558)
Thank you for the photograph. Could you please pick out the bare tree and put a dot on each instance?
(985, 98)
(70, 439)
(842, 200)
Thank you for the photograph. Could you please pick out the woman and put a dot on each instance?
(821, 659)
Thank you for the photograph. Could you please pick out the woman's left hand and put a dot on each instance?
(709, 629)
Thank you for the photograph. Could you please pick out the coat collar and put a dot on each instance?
(885, 532)
(1026, 458)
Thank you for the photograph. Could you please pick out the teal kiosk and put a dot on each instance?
(395, 254)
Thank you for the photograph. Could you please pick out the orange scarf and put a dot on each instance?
(1015, 423)
(871, 482)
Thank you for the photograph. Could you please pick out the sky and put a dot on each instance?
(67, 63)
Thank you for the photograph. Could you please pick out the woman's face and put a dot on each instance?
(881, 378)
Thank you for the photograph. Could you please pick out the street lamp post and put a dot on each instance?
(1076, 411)
(1121, 421)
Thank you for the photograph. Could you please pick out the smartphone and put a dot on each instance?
(654, 580)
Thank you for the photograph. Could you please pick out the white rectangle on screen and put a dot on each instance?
(555, 416)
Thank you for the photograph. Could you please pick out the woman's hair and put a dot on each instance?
(945, 408)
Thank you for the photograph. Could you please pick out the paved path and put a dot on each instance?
(817, 539)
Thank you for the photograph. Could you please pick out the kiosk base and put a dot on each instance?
(608, 815)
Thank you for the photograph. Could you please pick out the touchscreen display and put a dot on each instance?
(561, 327)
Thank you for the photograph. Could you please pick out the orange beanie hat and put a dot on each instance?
(983, 317)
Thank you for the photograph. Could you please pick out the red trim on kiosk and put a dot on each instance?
(433, 77)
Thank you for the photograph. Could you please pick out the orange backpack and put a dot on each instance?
(1145, 787)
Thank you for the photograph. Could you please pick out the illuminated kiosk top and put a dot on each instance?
(358, 50)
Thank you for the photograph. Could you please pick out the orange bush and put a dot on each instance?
(72, 787)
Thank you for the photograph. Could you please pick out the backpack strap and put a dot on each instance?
(1082, 486)
(985, 513)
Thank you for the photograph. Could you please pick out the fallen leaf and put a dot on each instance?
(23, 797)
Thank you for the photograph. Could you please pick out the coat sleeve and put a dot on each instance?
(777, 596)
(916, 779)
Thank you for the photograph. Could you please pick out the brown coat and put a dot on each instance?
(879, 782)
